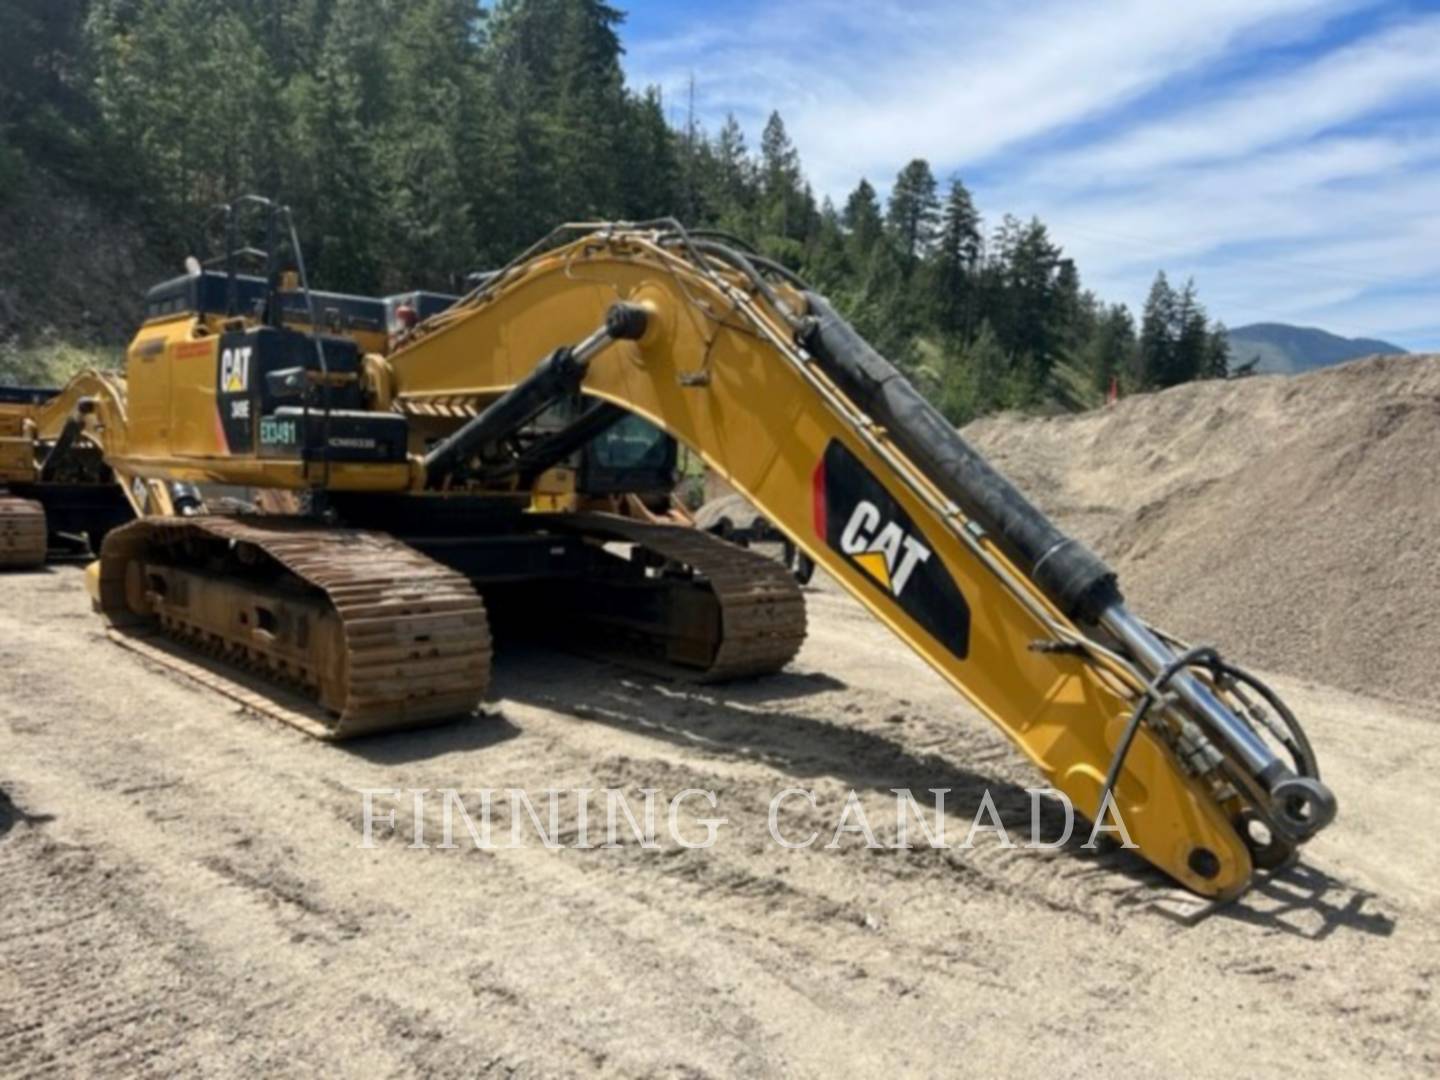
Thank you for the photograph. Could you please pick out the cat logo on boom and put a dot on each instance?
(858, 517)
(887, 553)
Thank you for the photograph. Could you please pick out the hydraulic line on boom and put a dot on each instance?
(1065, 570)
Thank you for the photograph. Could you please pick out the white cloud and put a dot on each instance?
(1320, 191)
(1308, 189)
(1324, 234)
(1383, 70)
(863, 88)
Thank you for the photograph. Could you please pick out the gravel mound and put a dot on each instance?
(1292, 520)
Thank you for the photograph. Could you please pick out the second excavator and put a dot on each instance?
(454, 460)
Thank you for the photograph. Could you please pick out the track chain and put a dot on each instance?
(762, 610)
(415, 634)
(22, 532)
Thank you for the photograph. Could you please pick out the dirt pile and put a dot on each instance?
(1294, 521)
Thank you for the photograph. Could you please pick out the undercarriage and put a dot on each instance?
(379, 632)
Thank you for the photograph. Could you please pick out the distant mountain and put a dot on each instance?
(1285, 349)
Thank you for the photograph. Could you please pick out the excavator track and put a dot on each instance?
(375, 636)
(732, 613)
(22, 532)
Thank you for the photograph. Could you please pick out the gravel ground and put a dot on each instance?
(186, 888)
(1292, 520)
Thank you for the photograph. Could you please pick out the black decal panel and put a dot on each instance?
(236, 365)
(856, 516)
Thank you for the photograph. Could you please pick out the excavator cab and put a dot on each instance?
(631, 457)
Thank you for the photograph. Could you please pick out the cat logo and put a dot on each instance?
(887, 553)
(863, 522)
(235, 370)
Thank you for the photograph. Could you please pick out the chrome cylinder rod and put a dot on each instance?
(1153, 655)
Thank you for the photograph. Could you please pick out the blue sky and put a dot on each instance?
(1286, 153)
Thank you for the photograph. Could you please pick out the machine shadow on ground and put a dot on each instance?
(721, 723)
(740, 721)
(1300, 900)
(12, 815)
(486, 728)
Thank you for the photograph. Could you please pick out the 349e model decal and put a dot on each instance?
(857, 517)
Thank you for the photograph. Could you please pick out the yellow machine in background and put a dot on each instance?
(449, 472)
(57, 495)
(22, 520)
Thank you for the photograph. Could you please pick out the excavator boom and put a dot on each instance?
(760, 377)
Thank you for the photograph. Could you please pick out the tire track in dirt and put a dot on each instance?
(782, 744)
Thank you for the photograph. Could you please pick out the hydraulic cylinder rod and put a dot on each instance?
(553, 379)
(1302, 805)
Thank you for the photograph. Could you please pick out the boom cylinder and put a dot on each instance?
(554, 378)
(1065, 570)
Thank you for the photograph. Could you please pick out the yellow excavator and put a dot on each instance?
(505, 453)
(53, 503)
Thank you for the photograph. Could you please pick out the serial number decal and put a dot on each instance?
(277, 432)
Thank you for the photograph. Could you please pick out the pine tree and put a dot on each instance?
(1192, 337)
(957, 259)
(881, 309)
(827, 261)
(1109, 353)
(653, 181)
(863, 221)
(588, 111)
(1025, 295)
(781, 185)
(1157, 335)
(732, 181)
(913, 213)
(974, 378)
(47, 117)
(1217, 354)
(333, 174)
(690, 151)
(428, 213)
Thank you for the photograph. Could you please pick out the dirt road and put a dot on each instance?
(185, 888)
